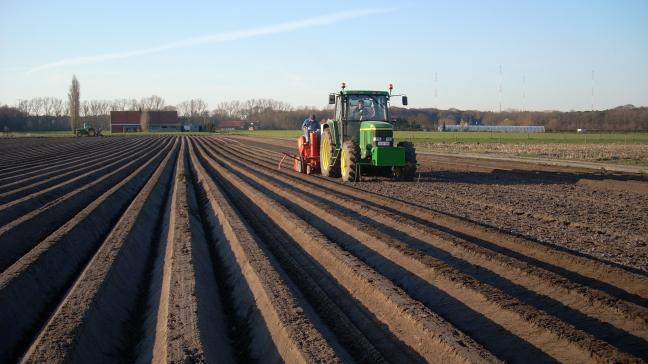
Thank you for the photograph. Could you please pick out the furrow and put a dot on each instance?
(607, 277)
(40, 273)
(23, 187)
(420, 328)
(20, 234)
(542, 330)
(603, 308)
(92, 320)
(60, 167)
(263, 297)
(11, 206)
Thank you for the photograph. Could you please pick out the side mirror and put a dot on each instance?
(331, 99)
(405, 100)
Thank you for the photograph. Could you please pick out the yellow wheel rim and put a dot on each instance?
(324, 154)
(343, 162)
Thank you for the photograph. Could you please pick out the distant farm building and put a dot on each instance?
(164, 121)
(125, 121)
(131, 121)
(233, 125)
(495, 128)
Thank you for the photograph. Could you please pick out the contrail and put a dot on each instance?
(216, 38)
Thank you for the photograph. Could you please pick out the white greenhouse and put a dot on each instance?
(496, 128)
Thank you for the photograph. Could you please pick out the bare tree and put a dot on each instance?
(37, 106)
(47, 105)
(73, 101)
(85, 109)
(184, 109)
(95, 107)
(57, 107)
(119, 105)
(198, 107)
(156, 102)
(23, 105)
(133, 105)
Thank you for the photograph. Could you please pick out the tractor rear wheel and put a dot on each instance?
(349, 160)
(327, 151)
(91, 132)
(406, 172)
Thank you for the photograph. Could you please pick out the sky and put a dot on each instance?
(552, 54)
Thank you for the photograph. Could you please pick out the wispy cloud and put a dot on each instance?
(216, 38)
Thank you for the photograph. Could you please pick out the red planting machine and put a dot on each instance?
(308, 159)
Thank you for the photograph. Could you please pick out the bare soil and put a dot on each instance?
(199, 249)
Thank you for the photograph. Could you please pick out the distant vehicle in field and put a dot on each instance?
(87, 130)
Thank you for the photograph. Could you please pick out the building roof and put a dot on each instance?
(163, 118)
(125, 117)
(155, 117)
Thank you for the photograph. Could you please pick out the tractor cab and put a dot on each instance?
(361, 136)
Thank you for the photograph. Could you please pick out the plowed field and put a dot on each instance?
(198, 249)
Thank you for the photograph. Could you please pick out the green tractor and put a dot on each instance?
(360, 138)
(87, 130)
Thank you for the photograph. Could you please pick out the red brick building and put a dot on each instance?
(131, 121)
(164, 121)
(125, 121)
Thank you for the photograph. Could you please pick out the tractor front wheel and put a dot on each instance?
(349, 160)
(408, 171)
(327, 151)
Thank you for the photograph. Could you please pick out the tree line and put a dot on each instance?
(622, 118)
(48, 113)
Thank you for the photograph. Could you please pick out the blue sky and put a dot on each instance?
(298, 52)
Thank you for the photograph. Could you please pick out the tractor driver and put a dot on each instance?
(361, 112)
(310, 124)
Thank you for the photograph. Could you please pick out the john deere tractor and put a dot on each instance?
(360, 138)
(87, 130)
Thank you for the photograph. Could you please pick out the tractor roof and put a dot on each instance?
(365, 92)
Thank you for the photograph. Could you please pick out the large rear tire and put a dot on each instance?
(327, 151)
(349, 160)
(408, 171)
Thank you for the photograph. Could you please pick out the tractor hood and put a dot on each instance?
(375, 125)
